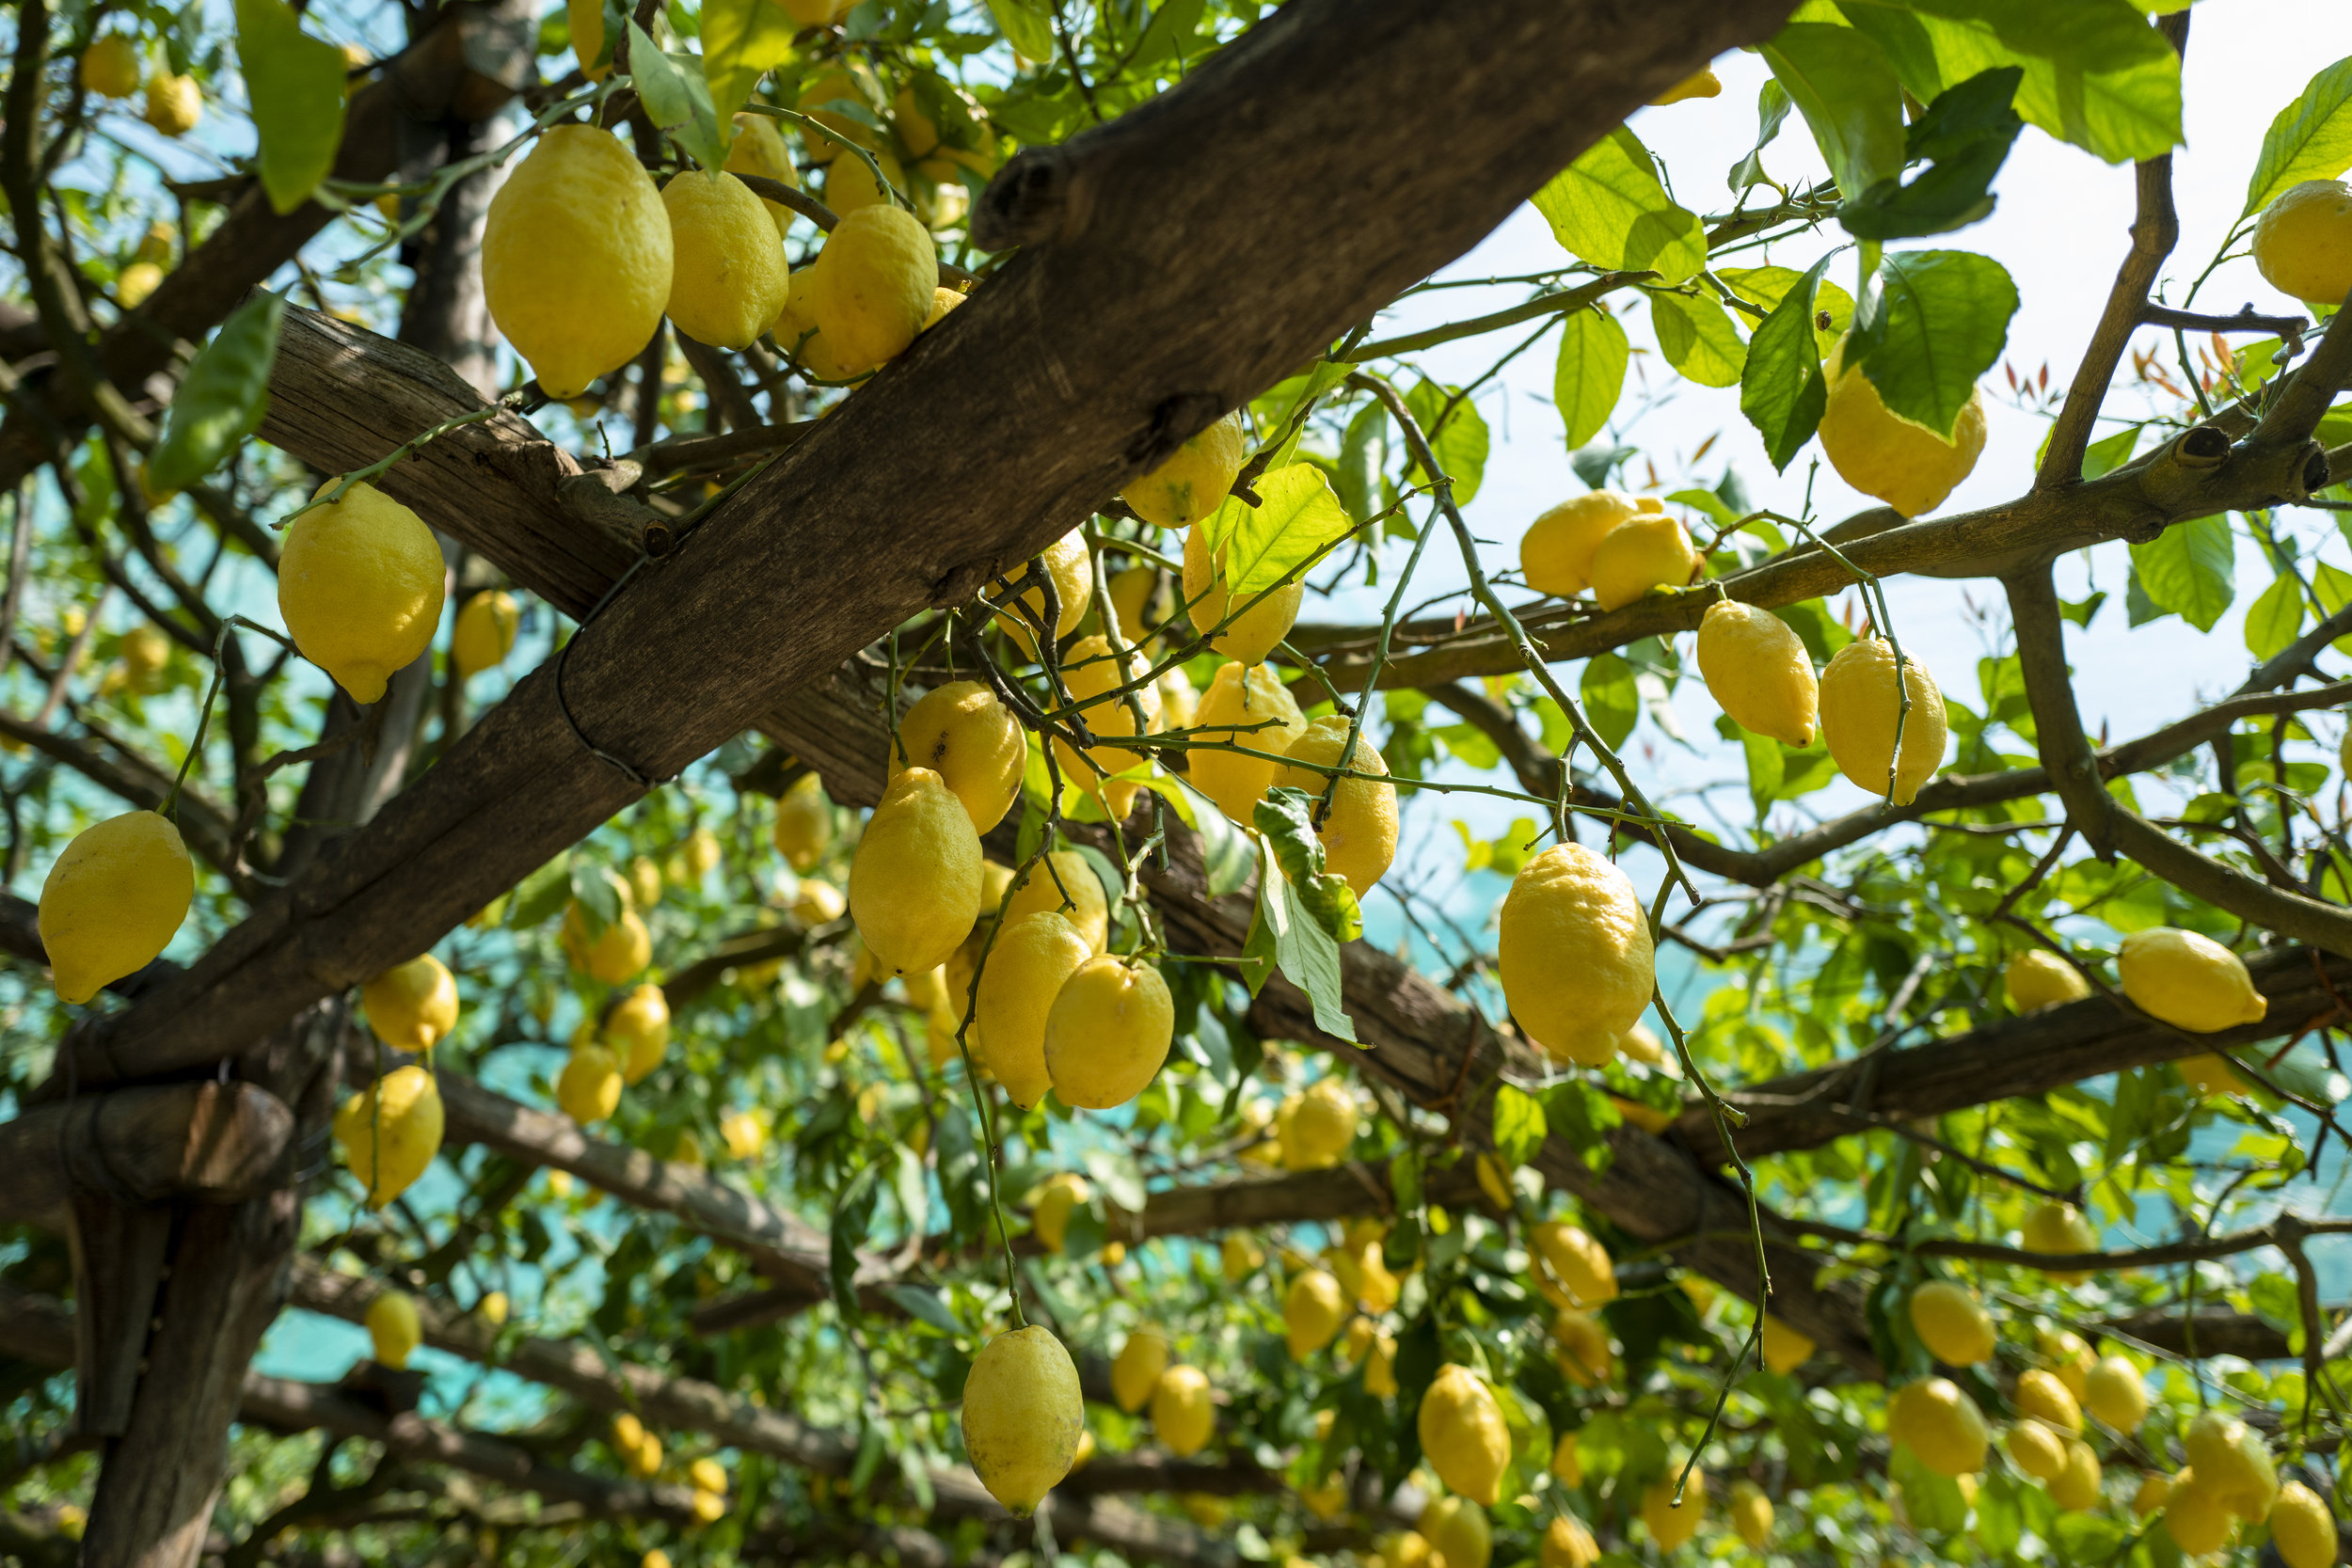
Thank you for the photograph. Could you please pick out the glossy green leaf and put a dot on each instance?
(222, 400)
(1590, 377)
(1769, 286)
(1457, 434)
(1299, 516)
(1937, 321)
(1608, 208)
(1965, 135)
(1612, 698)
(2311, 138)
(1285, 935)
(1772, 113)
(1027, 25)
(741, 39)
(295, 83)
(1364, 461)
(1695, 335)
(1519, 1126)
(1780, 390)
(1841, 81)
(678, 98)
(1286, 818)
(2187, 569)
(2273, 620)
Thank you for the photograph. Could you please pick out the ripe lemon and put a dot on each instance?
(616, 954)
(1064, 882)
(1784, 1349)
(1648, 550)
(2038, 978)
(1108, 1032)
(576, 258)
(1051, 1204)
(1751, 1513)
(638, 1032)
(1239, 1257)
(586, 19)
(848, 184)
(1860, 712)
(2233, 1462)
(2077, 1485)
(1758, 673)
(1136, 1369)
(1182, 1413)
(644, 881)
(2060, 1228)
(729, 277)
(1571, 1268)
(2113, 1393)
(1406, 1549)
(1463, 1433)
(803, 826)
(110, 66)
(2195, 1517)
(394, 1328)
(1259, 620)
(2190, 981)
(1313, 1309)
(1952, 1323)
(1577, 965)
(759, 148)
(701, 853)
(1567, 1465)
(1380, 1367)
(411, 1005)
(2040, 1395)
(2303, 242)
(746, 1134)
(2302, 1528)
(1318, 1126)
(873, 285)
(1022, 1416)
(2210, 1075)
(960, 732)
(1248, 706)
(1033, 958)
(484, 633)
(1072, 572)
(1359, 833)
(915, 885)
(113, 901)
(817, 902)
(1556, 552)
(710, 1507)
(1092, 672)
(795, 332)
(138, 280)
(1494, 1179)
(1457, 1532)
(390, 1131)
(174, 104)
(589, 1088)
(2150, 1495)
(1567, 1544)
(1881, 453)
(1178, 700)
(1668, 1524)
(1699, 84)
(494, 1308)
(359, 584)
(1327, 1501)
(1939, 1424)
(1193, 480)
(2070, 1358)
(144, 653)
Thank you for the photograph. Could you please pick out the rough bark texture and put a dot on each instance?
(208, 1142)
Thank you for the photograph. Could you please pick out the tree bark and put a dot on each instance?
(208, 1142)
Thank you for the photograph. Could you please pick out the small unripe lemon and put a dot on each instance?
(174, 104)
(110, 66)
(1108, 1032)
(1193, 480)
(638, 1032)
(962, 731)
(1647, 550)
(915, 885)
(359, 584)
(728, 276)
(1319, 1125)
(1668, 1524)
(1034, 956)
(1259, 620)
(1757, 671)
(1359, 833)
(1556, 552)
(803, 827)
(1785, 1350)
(1586, 1356)
(1571, 1268)
(394, 1328)
(1072, 572)
(1182, 1413)
(1051, 1204)
(1952, 1323)
(1263, 716)
(2040, 1395)
(577, 257)
(2301, 1527)
(1136, 1369)
(1751, 1513)
(1022, 1416)
(2194, 1515)
(1574, 948)
(1940, 1424)
(113, 900)
(1860, 712)
(872, 285)
(1877, 451)
(759, 148)
(484, 633)
(2038, 978)
(1311, 1311)
(2115, 1394)
(390, 1131)
(1463, 1434)
(412, 1006)
(616, 954)
(1567, 1544)
(2190, 981)
(589, 1088)
(2303, 242)
(2233, 1462)
(1092, 671)
(1456, 1529)
(2060, 1228)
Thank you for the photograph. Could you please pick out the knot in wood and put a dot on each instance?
(958, 584)
(1027, 204)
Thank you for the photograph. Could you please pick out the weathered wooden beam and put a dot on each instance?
(207, 1143)
(2208, 1330)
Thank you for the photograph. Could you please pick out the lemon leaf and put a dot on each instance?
(1456, 432)
(1608, 208)
(1025, 26)
(1591, 373)
(1286, 818)
(743, 40)
(296, 83)
(677, 99)
(2187, 570)
(1612, 701)
(1781, 388)
(1936, 320)
(2272, 620)
(1299, 516)
(222, 400)
(2311, 138)
(1841, 81)
(1519, 1126)
(1967, 133)
(1697, 339)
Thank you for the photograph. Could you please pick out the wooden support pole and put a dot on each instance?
(205, 1142)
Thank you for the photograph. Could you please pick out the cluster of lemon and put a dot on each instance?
(111, 67)
(2179, 977)
(640, 1454)
(390, 1130)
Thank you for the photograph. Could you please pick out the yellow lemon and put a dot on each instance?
(390, 1131)
(1034, 956)
(1456, 1529)
(1567, 1544)
(2113, 1393)
(1193, 480)
(113, 901)
(644, 881)
(1380, 1367)
(576, 258)
(1092, 671)
(638, 1032)
(1586, 1356)
(873, 285)
(494, 1308)
(915, 885)
(645, 1459)
(1359, 833)
(587, 19)
(138, 280)
(2077, 1485)
(1108, 1032)
(1321, 1125)
(2233, 1462)
(1327, 1501)
(1751, 1513)
(2210, 1075)
(1312, 1308)
(1699, 84)
(1641, 1044)
(144, 653)
(1860, 713)
(1571, 1268)
(1758, 673)
(1939, 1424)
(1238, 1257)
(1258, 620)
(2303, 242)
(729, 277)
(701, 853)
(628, 1433)
(2070, 1358)
(803, 826)
(709, 1475)
(1245, 706)
(1051, 1204)
(2150, 1495)
(1567, 1465)
(1556, 552)
(174, 104)
(2300, 1526)
(412, 1006)
(759, 148)
(110, 66)
(359, 584)
(710, 1507)
(746, 1134)
(1578, 964)
(849, 183)
(1463, 1434)
(2060, 1228)
(1670, 1525)
(2195, 1517)
(394, 1328)
(795, 332)
(942, 301)
(2190, 981)
(1022, 1416)
(616, 954)
(1881, 453)
(1785, 1350)
(1952, 1323)
(484, 633)
(1650, 550)
(1136, 1369)
(962, 731)
(1183, 1411)
(2038, 978)
(2037, 1449)
(1494, 1179)
(817, 902)
(1072, 572)
(589, 1088)
(2040, 1395)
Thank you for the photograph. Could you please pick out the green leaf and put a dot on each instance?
(1841, 81)
(678, 98)
(1696, 337)
(851, 1216)
(1460, 442)
(1769, 286)
(1936, 321)
(1591, 373)
(1612, 699)
(540, 896)
(2186, 569)
(1266, 544)
(1610, 209)
(597, 893)
(1765, 770)
(222, 400)
(1171, 28)
(1519, 1126)
(743, 40)
(296, 83)
(920, 1301)
(2311, 138)
(1365, 460)
(1772, 113)
(1027, 25)
(2273, 620)
(2332, 587)
(1284, 934)
(1287, 818)
(1780, 390)
(2104, 457)
(1966, 134)
(1227, 853)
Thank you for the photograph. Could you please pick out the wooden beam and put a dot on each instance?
(207, 1143)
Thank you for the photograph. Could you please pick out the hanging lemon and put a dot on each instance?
(729, 277)
(1556, 552)
(412, 1006)
(1108, 1032)
(1952, 1323)
(914, 883)
(2190, 981)
(390, 1131)
(1193, 480)
(1758, 673)
(1312, 1312)
(484, 633)
(1648, 550)
(639, 1032)
(1023, 1416)
(1071, 570)
(872, 285)
(1317, 1126)
(1064, 882)
(1263, 718)
(1578, 964)
(1092, 671)
(1051, 1205)
(1463, 1434)
(962, 733)
(759, 148)
(1877, 451)
(1027, 970)
(1359, 833)
(110, 66)
(1136, 1369)
(1259, 620)
(803, 827)
(113, 901)
(2038, 978)
(1183, 1413)
(589, 1089)
(359, 584)
(616, 954)
(394, 1329)
(1861, 712)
